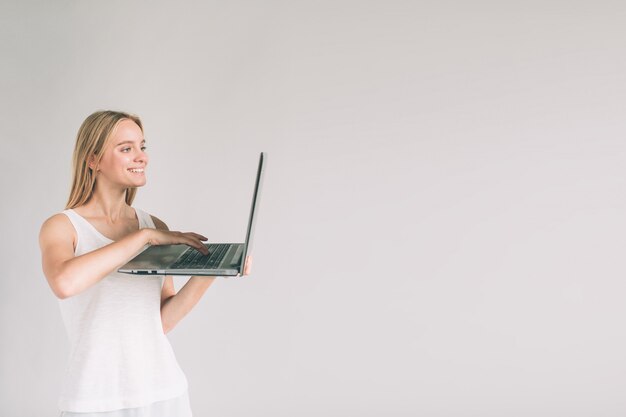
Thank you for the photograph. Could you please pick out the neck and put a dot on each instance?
(109, 204)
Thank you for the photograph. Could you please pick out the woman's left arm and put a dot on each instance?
(176, 305)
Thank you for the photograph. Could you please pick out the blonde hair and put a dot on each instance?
(91, 141)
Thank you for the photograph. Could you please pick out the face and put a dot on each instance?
(124, 159)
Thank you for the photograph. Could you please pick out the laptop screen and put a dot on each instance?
(253, 210)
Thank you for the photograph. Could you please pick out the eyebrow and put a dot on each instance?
(129, 141)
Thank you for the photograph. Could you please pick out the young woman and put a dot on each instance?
(121, 362)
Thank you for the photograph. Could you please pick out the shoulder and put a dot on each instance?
(57, 221)
(148, 220)
(57, 227)
(158, 223)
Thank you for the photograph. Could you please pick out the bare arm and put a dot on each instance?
(69, 275)
(175, 306)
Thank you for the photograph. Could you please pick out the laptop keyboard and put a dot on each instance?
(192, 259)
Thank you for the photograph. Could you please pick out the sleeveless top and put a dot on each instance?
(119, 355)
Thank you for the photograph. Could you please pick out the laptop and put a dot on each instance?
(224, 259)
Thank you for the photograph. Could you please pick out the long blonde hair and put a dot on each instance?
(91, 141)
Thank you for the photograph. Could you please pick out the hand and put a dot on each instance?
(248, 268)
(166, 237)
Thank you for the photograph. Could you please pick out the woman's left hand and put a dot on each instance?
(248, 268)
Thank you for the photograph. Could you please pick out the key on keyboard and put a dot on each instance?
(192, 259)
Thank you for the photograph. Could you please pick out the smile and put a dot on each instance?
(136, 170)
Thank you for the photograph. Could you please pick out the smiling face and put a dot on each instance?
(124, 160)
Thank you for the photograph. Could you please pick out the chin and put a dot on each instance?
(137, 184)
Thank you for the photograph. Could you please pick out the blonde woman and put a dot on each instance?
(121, 362)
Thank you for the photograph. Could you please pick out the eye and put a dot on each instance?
(125, 149)
(143, 148)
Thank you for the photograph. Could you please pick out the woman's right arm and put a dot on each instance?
(69, 275)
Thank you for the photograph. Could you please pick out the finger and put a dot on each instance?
(202, 248)
(198, 236)
(194, 243)
(248, 266)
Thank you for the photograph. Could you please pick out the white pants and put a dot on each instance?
(176, 407)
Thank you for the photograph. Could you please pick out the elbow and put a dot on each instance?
(166, 328)
(166, 322)
(166, 325)
(61, 292)
(60, 287)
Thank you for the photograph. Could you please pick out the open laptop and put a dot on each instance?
(224, 259)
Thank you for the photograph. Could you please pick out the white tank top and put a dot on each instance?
(119, 357)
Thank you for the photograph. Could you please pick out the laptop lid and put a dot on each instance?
(247, 250)
(159, 259)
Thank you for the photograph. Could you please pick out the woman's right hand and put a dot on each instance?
(167, 237)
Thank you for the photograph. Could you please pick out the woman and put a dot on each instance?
(121, 362)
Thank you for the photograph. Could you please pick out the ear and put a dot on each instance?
(91, 162)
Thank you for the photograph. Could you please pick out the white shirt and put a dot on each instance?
(120, 357)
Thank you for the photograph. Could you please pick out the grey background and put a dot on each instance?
(441, 231)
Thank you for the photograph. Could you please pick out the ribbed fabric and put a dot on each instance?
(120, 357)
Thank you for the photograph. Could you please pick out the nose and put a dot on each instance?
(141, 156)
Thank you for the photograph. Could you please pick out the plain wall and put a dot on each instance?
(441, 230)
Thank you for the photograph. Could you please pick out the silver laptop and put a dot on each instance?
(224, 259)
